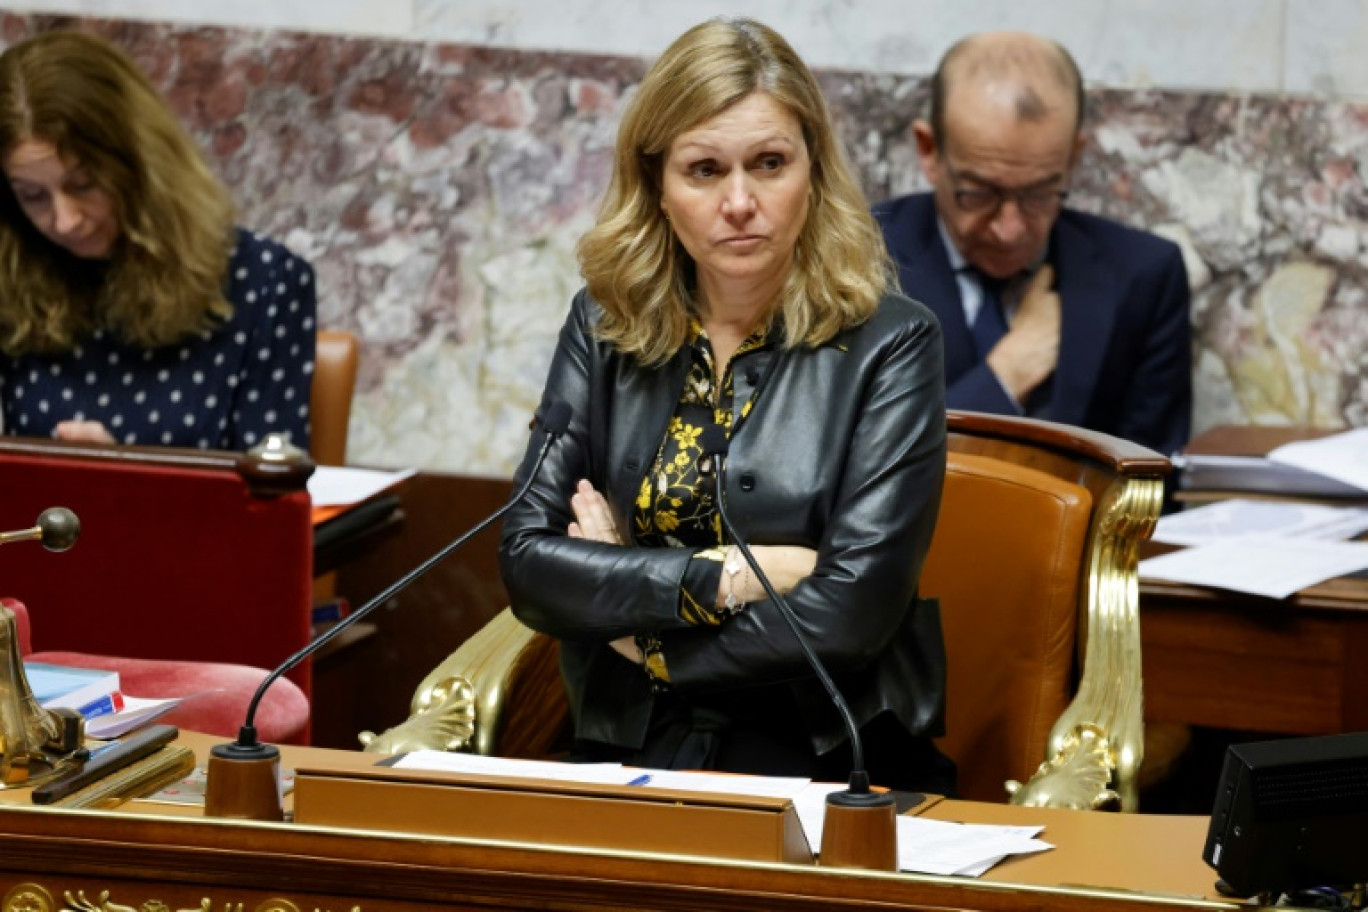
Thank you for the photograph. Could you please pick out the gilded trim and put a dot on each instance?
(1100, 736)
(28, 897)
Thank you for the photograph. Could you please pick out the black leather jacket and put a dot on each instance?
(843, 452)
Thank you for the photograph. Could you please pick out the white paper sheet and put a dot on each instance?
(967, 849)
(1274, 567)
(1227, 520)
(1341, 456)
(603, 773)
(340, 486)
(137, 712)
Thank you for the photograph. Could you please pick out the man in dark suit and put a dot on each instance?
(1046, 311)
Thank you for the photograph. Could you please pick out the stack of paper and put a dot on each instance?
(1265, 548)
(341, 486)
(136, 712)
(931, 846)
(964, 849)
(1343, 457)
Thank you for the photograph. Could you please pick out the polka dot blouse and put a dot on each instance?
(224, 389)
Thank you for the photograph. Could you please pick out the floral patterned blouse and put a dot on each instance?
(675, 506)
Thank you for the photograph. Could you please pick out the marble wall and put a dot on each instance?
(439, 189)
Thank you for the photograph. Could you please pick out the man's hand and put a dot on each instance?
(1029, 352)
(82, 431)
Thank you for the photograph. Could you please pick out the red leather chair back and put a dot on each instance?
(181, 556)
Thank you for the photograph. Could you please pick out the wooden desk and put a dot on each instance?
(154, 857)
(1234, 661)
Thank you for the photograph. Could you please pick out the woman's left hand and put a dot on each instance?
(82, 431)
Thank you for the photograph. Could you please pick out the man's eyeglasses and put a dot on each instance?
(1031, 202)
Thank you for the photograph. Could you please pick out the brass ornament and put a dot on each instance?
(35, 743)
(79, 903)
(28, 897)
(1076, 777)
(443, 719)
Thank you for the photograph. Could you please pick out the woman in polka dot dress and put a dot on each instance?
(131, 308)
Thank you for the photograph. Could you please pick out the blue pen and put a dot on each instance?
(641, 780)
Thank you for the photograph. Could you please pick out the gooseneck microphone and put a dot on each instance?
(859, 830)
(243, 793)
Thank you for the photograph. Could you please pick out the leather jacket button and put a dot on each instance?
(748, 482)
(753, 376)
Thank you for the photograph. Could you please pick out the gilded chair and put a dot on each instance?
(1034, 562)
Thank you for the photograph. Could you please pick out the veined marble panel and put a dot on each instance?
(440, 189)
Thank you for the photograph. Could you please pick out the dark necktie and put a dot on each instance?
(990, 324)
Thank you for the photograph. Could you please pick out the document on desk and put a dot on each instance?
(451, 762)
(963, 849)
(1272, 567)
(1341, 456)
(604, 774)
(1227, 520)
(342, 486)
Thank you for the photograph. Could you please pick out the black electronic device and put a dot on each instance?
(1291, 815)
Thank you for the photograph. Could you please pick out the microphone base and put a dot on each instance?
(244, 782)
(859, 831)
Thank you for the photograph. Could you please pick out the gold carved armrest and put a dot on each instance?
(1103, 727)
(499, 693)
(1096, 746)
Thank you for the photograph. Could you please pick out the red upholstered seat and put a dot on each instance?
(216, 694)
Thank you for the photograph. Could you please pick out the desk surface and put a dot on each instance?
(148, 852)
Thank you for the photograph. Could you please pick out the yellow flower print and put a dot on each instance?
(687, 434)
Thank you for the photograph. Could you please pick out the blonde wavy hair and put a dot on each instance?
(165, 277)
(632, 263)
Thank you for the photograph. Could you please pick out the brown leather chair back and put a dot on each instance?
(334, 381)
(1005, 564)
